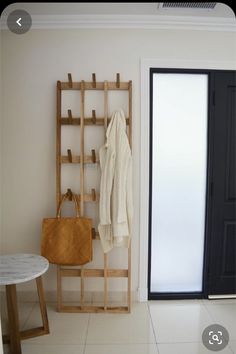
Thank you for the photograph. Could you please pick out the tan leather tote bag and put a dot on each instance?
(67, 240)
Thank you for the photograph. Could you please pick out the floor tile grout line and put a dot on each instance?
(86, 335)
(174, 343)
(209, 313)
(230, 348)
(212, 316)
(194, 342)
(153, 327)
(123, 343)
(18, 306)
(182, 342)
(30, 313)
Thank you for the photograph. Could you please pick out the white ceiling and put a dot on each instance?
(221, 10)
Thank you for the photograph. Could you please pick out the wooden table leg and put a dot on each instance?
(13, 318)
(15, 335)
(42, 304)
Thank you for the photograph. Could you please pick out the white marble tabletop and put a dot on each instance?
(19, 268)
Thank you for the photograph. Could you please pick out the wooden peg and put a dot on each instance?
(94, 116)
(93, 233)
(70, 115)
(117, 80)
(94, 80)
(70, 80)
(93, 194)
(69, 155)
(69, 194)
(93, 156)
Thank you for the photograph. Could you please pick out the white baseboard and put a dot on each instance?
(142, 294)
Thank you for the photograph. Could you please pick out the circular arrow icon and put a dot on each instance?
(19, 21)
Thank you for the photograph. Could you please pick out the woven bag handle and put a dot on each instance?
(62, 201)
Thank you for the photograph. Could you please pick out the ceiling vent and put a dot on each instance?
(187, 5)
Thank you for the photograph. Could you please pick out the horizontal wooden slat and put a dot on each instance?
(117, 273)
(87, 121)
(94, 309)
(26, 334)
(76, 159)
(88, 197)
(34, 332)
(77, 272)
(90, 86)
(70, 272)
(99, 273)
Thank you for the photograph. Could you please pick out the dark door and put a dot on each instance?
(222, 218)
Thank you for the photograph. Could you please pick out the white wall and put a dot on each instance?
(32, 63)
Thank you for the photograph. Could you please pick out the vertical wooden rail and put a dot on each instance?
(105, 105)
(130, 113)
(59, 290)
(82, 149)
(82, 94)
(58, 181)
(82, 287)
(105, 282)
(105, 254)
(129, 249)
(58, 144)
(129, 279)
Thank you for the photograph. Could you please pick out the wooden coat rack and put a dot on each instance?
(82, 198)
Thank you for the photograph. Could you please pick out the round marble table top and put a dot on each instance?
(19, 268)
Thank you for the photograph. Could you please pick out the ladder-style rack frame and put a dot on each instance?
(82, 197)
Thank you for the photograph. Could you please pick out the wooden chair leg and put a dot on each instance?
(42, 304)
(13, 318)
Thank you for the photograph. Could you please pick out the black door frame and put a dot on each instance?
(209, 184)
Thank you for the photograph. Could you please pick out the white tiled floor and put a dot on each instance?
(156, 327)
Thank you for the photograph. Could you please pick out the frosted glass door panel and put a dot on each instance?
(179, 158)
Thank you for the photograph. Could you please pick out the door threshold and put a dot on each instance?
(228, 296)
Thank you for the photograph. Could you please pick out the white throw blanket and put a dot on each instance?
(115, 206)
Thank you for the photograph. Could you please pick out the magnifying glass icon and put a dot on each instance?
(215, 337)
